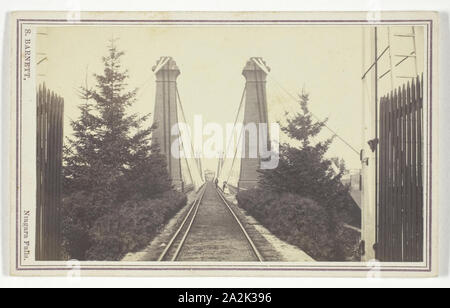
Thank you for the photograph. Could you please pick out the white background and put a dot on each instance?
(443, 6)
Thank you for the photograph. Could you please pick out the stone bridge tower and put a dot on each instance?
(255, 113)
(166, 115)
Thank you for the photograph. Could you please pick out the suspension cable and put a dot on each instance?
(316, 117)
(261, 66)
(186, 160)
(189, 133)
(234, 126)
(235, 154)
(184, 150)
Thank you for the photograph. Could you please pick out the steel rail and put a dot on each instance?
(193, 212)
(183, 240)
(194, 208)
(250, 241)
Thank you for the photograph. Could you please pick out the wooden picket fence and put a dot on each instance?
(400, 205)
(50, 109)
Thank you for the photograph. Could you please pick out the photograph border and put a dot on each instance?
(21, 19)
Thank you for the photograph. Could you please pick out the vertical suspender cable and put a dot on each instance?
(234, 125)
(189, 134)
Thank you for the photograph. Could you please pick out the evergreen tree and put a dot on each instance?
(109, 159)
(305, 172)
(304, 169)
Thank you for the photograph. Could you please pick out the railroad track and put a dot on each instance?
(175, 246)
(173, 249)
(249, 240)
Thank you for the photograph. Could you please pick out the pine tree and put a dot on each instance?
(304, 170)
(110, 158)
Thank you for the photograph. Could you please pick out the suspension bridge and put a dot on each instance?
(213, 229)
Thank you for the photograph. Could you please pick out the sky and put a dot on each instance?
(327, 62)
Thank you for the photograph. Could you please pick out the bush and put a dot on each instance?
(133, 226)
(301, 222)
(79, 212)
(128, 228)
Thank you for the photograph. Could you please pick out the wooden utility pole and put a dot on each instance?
(369, 155)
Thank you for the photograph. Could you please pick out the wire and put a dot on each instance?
(234, 126)
(185, 120)
(316, 117)
(196, 163)
(261, 65)
(187, 163)
(375, 63)
(235, 155)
